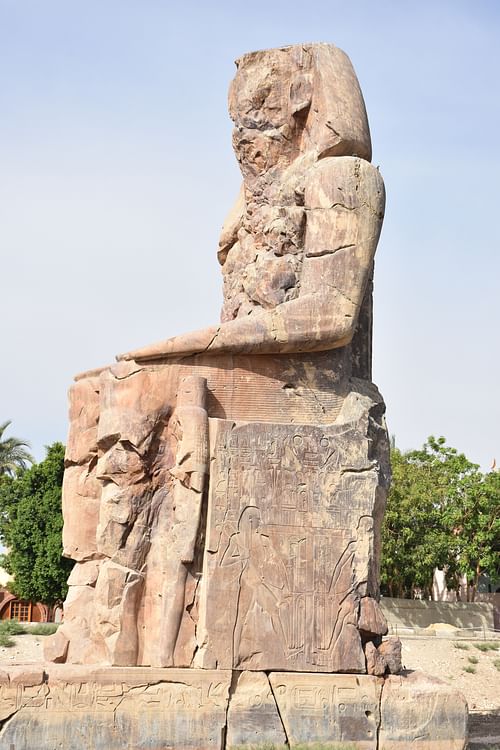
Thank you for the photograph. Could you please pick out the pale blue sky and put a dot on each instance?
(116, 171)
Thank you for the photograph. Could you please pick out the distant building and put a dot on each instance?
(12, 608)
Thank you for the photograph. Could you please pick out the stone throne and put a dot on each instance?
(224, 489)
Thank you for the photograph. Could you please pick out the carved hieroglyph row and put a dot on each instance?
(80, 689)
(116, 708)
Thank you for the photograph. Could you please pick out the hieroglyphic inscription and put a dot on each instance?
(253, 716)
(61, 697)
(283, 534)
(174, 689)
(115, 708)
(328, 708)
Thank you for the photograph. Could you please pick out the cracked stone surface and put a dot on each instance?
(420, 710)
(84, 707)
(253, 717)
(328, 708)
(92, 708)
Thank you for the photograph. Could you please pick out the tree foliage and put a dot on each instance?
(31, 529)
(14, 454)
(442, 512)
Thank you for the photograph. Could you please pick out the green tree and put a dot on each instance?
(31, 529)
(414, 540)
(441, 513)
(13, 453)
(474, 520)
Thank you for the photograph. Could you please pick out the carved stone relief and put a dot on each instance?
(290, 528)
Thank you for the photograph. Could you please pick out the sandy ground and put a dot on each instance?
(27, 648)
(441, 658)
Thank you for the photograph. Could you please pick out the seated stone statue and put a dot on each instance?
(297, 249)
(225, 488)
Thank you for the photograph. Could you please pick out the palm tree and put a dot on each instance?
(13, 453)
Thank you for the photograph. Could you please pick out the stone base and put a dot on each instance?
(134, 708)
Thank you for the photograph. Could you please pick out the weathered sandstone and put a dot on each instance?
(92, 708)
(420, 710)
(225, 488)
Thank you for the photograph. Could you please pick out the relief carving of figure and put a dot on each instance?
(262, 580)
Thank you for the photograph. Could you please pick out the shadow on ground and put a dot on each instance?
(484, 730)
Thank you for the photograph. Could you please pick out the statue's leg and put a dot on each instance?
(173, 597)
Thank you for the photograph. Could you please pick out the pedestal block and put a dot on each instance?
(137, 708)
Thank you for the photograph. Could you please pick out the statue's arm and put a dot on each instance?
(344, 201)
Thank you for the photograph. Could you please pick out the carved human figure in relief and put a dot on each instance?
(298, 247)
(262, 580)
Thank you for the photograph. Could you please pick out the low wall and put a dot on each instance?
(493, 599)
(417, 613)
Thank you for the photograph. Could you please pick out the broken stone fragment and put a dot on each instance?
(81, 494)
(390, 649)
(55, 648)
(371, 618)
(375, 662)
(28, 675)
(232, 224)
(84, 573)
(83, 417)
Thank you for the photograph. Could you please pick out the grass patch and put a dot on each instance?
(472, 659)
(470, 669)
(496, 663)
(487, 646)
(8, 628)
(11, 627)
(6, 641)
(43, 628)
(462, 646)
